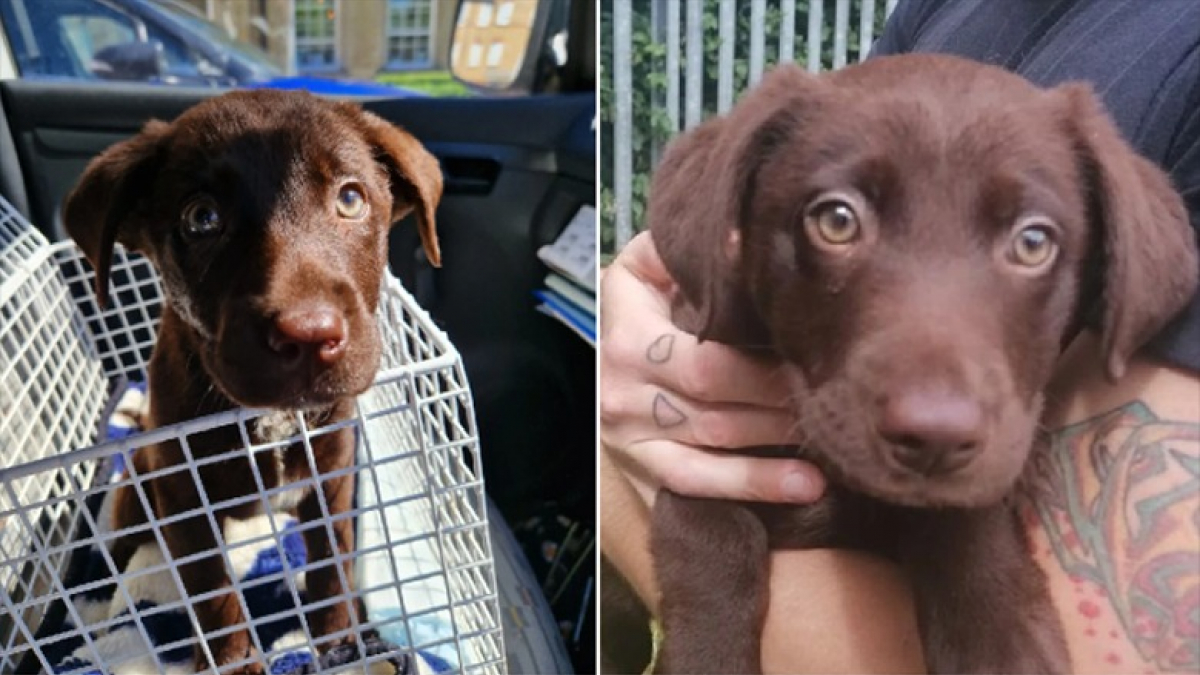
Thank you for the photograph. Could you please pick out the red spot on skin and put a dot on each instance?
(1100, 592)
(1113, 634)
(1031, 518)
(1089, 609)
(1070, 540)
(1075, 579)
(1090, 632)
(1113, 659)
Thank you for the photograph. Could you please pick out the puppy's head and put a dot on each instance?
(918, 237)
(266, 214)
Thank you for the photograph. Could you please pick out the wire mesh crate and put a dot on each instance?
(423, 566)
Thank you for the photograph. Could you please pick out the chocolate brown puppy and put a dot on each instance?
(266, 214)
(917, 238)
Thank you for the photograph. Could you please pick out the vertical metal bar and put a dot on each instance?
(787, 31)
(758, 39)
(727, 22)
(658, 29)
(816, 22)
(673, 64)
(289, 40)
(841, 32)
(623, 120)
(694, 92)
(866, 28)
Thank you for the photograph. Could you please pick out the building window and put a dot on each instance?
(483, 15)
(504, 14)
(316, 34)
(410, 33)
(494, 54)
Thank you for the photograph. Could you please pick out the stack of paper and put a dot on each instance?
(570, 292)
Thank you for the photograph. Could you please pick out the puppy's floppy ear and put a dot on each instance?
(414, 172)
(1150, 260)
(702, 191)
(96, 210)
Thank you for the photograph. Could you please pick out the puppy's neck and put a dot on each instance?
(279, 425)
(176, 367)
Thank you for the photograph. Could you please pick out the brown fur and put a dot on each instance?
(917, 356)
(249, 311)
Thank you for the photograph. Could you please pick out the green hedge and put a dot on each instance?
(651, 126)
(433, 82)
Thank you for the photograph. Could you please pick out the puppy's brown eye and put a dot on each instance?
(1033, 246)
(832, 223)
(351, 204)
(201, 219)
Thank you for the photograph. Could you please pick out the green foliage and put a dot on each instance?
(651, 127)
(433, 82)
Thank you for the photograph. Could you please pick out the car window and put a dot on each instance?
(204, 30)
(181, 61)
(86, 34)
(62, 38)
(335, 47)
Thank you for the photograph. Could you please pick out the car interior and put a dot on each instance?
(517, 168)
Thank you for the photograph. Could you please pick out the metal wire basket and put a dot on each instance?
(423, 561)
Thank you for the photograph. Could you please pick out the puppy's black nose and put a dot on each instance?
(316, 330)
(932, 432)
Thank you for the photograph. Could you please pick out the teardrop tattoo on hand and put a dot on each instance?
(660, 350)
(666, 415)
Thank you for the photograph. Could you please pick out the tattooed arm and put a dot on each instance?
(1118, 532)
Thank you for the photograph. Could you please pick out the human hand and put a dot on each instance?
(670, 407)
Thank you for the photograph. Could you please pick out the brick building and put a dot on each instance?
(492, 39)
(358, 38)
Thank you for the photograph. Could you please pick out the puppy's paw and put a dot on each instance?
(231, 649)
(331, 620)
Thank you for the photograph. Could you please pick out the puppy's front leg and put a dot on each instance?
(710, 560)
(194, 536)
(983, 605)
(332, 451)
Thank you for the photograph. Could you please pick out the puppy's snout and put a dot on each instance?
(315, 330)
(932, 432)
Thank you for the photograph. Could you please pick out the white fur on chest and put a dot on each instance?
(275, 427)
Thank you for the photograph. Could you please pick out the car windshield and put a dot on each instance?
(197, 23)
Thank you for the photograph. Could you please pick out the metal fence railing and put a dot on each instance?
(668, 64)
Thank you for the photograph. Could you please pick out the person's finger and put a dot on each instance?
(642, 413)
(656, 352)
(640, 258)
(639, 340)
(701, 473)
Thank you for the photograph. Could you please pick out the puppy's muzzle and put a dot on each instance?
(313, 335)
(931, 432)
